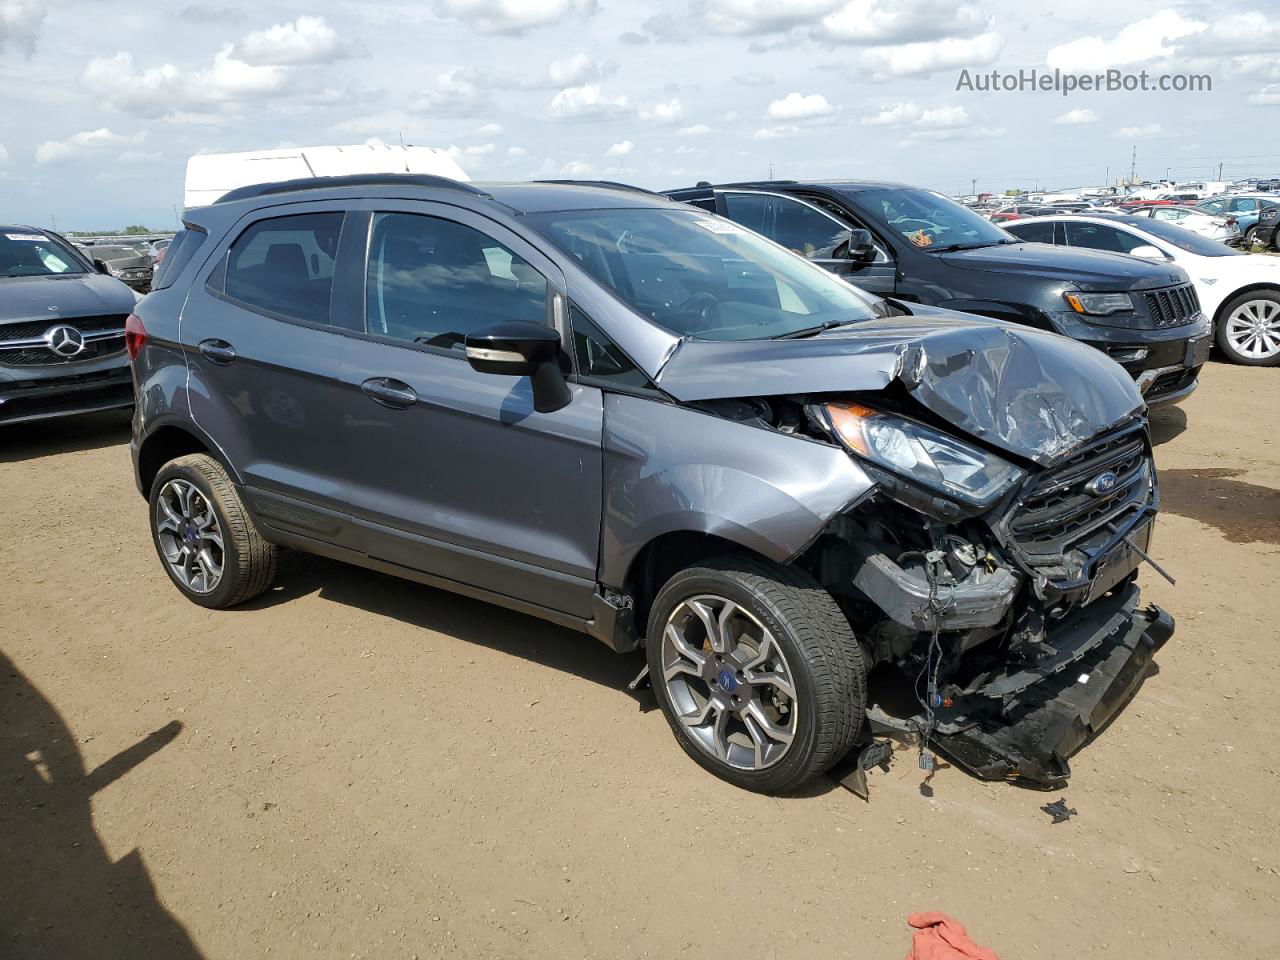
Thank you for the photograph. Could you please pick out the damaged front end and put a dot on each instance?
(1004, 635)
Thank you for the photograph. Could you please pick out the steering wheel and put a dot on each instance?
(705, 307)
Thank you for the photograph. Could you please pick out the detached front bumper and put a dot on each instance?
(1023, 725)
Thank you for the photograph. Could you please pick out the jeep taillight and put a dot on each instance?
(135, 335)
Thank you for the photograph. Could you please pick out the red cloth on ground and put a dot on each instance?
(938, 937)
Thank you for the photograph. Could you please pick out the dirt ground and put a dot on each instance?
(357, 766)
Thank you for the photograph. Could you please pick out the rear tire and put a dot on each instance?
(723, 686)
(1250, 239)
(1249, 329)
(204, 536)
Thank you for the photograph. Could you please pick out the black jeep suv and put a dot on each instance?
(62, 338)
(911, 244)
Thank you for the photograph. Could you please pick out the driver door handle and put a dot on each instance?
(219, 351)
(389, 392)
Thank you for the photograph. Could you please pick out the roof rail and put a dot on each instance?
(349, 180)
(607, 185)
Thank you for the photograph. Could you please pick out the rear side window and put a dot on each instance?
(1040, 231)
(1098, 237)
(186, 244)
(285, 265)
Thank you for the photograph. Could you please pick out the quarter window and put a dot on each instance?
(599, 357)
(285, 265)
(433, 281)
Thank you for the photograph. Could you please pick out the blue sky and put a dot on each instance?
(104, 102)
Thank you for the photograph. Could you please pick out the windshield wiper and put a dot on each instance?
(813, 331)
(970, 246)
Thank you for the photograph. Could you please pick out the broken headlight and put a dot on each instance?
(922, 454)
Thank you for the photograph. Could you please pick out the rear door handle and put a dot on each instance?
(219, 351)
(389, 392)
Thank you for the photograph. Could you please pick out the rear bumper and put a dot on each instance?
(1032, 720)
(22, 401)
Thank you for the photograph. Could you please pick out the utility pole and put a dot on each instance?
(1106, 181)
(54, 220)
(973, 187)
(1219, 169)
(1133, 166)
(770, 169)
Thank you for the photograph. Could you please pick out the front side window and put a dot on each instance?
(284, 265)
(1096, 236)
(25, 253)
(433, 281)
(700, 276)
(1037, 231)
(797, 226)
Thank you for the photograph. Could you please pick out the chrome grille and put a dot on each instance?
(21, 344)
(1173, 307)
(1056, 511)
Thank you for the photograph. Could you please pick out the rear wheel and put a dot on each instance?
(206, 540)
(1250, 238)
(757, 671)
(1249, 331)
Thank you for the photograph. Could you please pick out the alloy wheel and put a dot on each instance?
(1253, 329)
(728, 682)
(189, 536)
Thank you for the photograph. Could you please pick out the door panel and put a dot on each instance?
(465, 480)
(264, 386)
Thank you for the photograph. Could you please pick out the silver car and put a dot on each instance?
(658, 429)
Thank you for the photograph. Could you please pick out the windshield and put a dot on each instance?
(26, 253)
(701, 276)
(105, 252)
(931, 221)
(1184, 239)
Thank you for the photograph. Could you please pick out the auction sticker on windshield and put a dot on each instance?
(34, 237)
(719, 226)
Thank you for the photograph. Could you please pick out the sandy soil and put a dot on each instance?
(360, 767)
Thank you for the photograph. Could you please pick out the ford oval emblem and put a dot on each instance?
(1102, 484)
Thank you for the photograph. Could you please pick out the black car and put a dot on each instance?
(911, 244)
(124, 262)
(1267, 232)
(62, 330)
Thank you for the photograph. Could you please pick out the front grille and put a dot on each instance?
(1173, 307)
(27, 355)
(1056, 512)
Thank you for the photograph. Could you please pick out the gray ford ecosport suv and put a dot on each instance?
(649, 424)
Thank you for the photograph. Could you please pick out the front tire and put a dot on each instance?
(757, 671)
(1249, 329)
(206, 540)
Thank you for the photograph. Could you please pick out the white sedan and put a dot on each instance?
(1221, 227)
(1240, 292)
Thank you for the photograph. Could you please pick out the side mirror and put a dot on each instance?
(520, 348)
(101, 267)
(1148, 252)
(862, 248)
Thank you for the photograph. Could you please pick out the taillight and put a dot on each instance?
(135, 335)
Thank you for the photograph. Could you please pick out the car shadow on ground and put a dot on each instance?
(462, 618)
(1167, 423)
(61, 894)
(43, 438)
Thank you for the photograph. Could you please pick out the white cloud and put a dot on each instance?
(576, 169)
(80, 144)
(1147, 39)
(894, 115)
(470, 153)
(670, 112)
(780, 132)
(696, 130)
(487, 130)
(754, 78)
(517, 152)
(579, 69)
(1268, 96)
(746, 17)
(304, 41)
(514, 16)
(882, 22)
(459, 91)
(1144, 132)
(798, 106)
(911, 114)
(586, 101)
(1076, 117)
(1234, 34)
(20, 22)
(919, 59)
(4, 155)
(620, 149)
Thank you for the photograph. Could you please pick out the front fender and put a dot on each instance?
(671, 469)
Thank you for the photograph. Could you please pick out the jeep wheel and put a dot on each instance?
(757, 671)
(205, 538)
(1249, 331)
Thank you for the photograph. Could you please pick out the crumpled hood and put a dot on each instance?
(1033, 394)
(63, 297)
(1086, 269)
